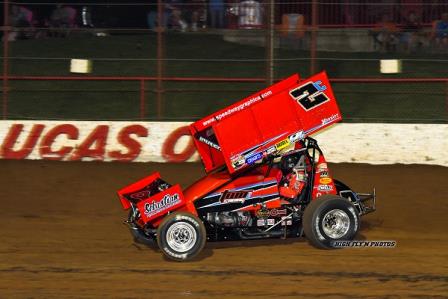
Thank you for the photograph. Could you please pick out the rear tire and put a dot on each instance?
(330, 218)
(181, 236)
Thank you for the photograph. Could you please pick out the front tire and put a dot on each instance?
(181, 236)
(330, 218)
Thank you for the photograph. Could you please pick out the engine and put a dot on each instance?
(230, 219)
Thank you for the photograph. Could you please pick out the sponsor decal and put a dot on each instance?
(265, 222)
(238, 162)
(264, 213)
(166, 202)
(254, 158)
(234, 196)
(282, 144)
(140, 195)
(209, 143)
(271, 150)
(261, 222)
(325, 188)
(325, 181)
(287, 222)
(249, 156)
(296, 137)
(326, 121)
(324, 174)
(240, 107)
(322, 167)
(277, 212)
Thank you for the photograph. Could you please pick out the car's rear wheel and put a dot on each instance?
(330, 218)
(181, 236)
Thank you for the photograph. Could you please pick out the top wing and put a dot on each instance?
(265, 123)
(245, 103)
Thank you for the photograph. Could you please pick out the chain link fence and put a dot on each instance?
(178, 60)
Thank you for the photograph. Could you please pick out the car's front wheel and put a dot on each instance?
(181, 236)
(330, 218)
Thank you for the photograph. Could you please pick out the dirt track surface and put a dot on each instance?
(62, 236)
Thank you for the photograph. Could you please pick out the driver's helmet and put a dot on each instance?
(288, 162)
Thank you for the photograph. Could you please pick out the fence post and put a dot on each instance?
(5, 58)
(160, 28)
(270, 43)
(446, 100)
(142, 99)
(314, 23)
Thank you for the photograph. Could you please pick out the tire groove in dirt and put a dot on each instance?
(382, 277)
(228, 293)
(62, 237)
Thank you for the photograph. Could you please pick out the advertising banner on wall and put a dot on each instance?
(97, 141)
(171, 142)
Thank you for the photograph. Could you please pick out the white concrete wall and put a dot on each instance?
(353, 143)
(386, 143)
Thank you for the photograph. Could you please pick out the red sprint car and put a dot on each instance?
(266, 177)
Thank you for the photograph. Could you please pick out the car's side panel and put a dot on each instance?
(243, 193)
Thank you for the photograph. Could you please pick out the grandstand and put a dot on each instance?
(90, 86)
(167, 74)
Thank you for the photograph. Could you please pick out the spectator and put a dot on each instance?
(153, 15)
(442, 32)
(86, 17)
(386, 34)
(196, 13)
(411, 35)
(21, 19)
(62, 19)
(216, 8)
(174, 9)
(408, 7)
(20, 16)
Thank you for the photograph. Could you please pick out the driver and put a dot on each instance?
(296, 178)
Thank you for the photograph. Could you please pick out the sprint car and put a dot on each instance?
(266, 178)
